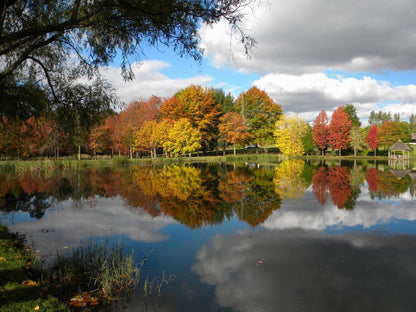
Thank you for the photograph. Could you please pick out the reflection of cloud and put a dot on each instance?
(67, 226)
(308, 271)
(308, 213)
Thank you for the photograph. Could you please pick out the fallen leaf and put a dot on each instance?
(2, 259)
(30, 283)
(37, 308)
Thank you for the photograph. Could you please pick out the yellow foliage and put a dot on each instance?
(288, 179)
(289, 132)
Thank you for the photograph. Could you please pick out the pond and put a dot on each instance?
(292, 236)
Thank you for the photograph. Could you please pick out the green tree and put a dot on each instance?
(307, 140)
(352, 113)
(357, 139)
(39, 32)
(261, 113)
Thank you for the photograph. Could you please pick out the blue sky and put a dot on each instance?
(310, 56)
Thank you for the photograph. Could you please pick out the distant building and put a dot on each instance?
(413, 138)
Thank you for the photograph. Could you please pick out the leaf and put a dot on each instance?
(29, 283)
(3, 259)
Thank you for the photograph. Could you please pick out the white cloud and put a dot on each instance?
(366, 213)
(65, 225)
(148, 81)
(303, 93)
(303, 36)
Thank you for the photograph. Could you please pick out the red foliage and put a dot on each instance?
(339, 186)
(320, 185)
(372, 139)
(320, 131)
(339, 130)
(371, 177)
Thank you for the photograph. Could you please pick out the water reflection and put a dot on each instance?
(291, 236)
(309, 271)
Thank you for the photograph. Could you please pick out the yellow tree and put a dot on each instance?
(183, 138)
(289, 133)
(147, 137)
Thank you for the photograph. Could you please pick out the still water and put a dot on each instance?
(286, 237)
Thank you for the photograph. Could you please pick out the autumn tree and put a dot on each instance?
(307, 140)
(147, 138)
(183, 138)
(391, 131)
(372, 138)
(261, 113)
(320, 131)
(233, 129)
(199, 106)
(134, 116)
(357, 140)
(289, 133)
(339, 130)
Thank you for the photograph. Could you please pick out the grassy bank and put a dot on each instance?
(51, 164)
(20, 289)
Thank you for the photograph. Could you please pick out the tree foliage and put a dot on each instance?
(372, 138)
(320, 131)
(261, 113)
(339, 130)
(233, 129)
(289, 133)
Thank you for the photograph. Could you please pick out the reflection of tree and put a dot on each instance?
(357, 179)
(320, 185)
(339, 186)
(371, 178)
(193, 195)
(288, 179)
(391, 186)
(260, 200)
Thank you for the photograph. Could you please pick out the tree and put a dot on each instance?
(357, 139)
(339, 130)
(391, 131)
(307, 140)
(372, 138)
(412, 123)
(352, 113)
(134, 116)
(379, 118)
(320, 131)
(233, 129)
(289, 133)
(226, 102)
(37, 33)
(183, 138)
(261, 113)
(147, 137)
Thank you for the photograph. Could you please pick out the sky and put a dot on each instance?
(309, 56)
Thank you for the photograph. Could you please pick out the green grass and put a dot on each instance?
(20, 289)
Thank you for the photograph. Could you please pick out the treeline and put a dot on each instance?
(344, 131)
(194, 119)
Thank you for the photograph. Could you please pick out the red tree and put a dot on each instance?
(372, 139)
(339, 130)
(320, 131)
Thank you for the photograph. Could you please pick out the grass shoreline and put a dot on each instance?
(70, 163)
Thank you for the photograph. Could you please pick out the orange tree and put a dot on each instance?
(320, 131)
(233, 129)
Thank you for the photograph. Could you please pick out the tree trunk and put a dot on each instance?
(131, 151)
(79, 152)
(234, 149)
(339, 152)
